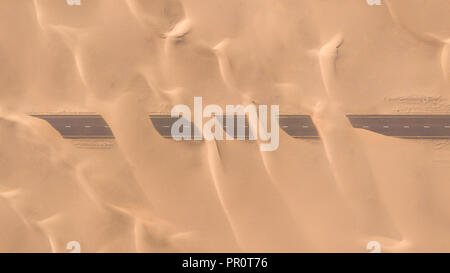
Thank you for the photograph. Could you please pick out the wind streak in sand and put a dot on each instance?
(176, 34)
(429, 38)
(224, 66)
(178, 191)
(257, 212)
(345, 154)
(259, 216)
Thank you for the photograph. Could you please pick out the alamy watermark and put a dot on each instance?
(213, 128)
(73, 2)
(374, 2)
(374, 247)
(74, 247)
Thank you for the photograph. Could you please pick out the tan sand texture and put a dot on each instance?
(143, 193)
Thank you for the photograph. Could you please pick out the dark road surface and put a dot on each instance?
(79, 126)
(405, 126)
(297, 126)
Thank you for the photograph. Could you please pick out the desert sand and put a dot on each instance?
(143, 193)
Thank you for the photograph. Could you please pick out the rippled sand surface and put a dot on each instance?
(126, 58)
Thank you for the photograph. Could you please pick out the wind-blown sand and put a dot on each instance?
(126, 58)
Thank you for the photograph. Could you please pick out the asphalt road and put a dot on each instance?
(405, 126)
(163, 124)
(297, 126)
(79, 126)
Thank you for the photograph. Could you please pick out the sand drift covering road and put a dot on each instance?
(364, 180)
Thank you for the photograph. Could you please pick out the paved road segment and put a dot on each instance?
(297, 126)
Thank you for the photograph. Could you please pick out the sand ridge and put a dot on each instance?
(125, 58)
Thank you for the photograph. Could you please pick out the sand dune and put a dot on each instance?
(126, 58)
